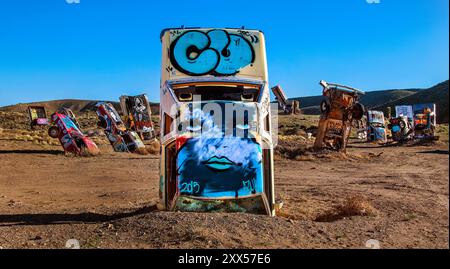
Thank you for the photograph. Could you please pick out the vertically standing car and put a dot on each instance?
(139, 115)
(216, 138)
(424, 121)
(38, 116)
(401, 128)
(121, 139)
(376, 126)
(340, 107)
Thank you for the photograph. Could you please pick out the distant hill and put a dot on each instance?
(390, 98)
(379, 100)
(437, 94)
(75, 105)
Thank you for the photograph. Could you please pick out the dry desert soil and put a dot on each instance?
(397, 195)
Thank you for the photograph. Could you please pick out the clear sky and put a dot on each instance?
(101, 49)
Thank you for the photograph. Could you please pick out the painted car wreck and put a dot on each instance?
(401, 128)
(215, 130)
(139, 115)
(376, 126)
(72, 139)
(340, 107)
(414, 122)
(38, 116)
(424, 121)
(121, 139)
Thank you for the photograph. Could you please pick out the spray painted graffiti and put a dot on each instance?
(214, 166)
(216, 52)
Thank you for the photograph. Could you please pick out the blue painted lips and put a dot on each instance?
(220, 164)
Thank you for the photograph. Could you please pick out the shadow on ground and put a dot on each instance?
(51, 152)
(53, 219)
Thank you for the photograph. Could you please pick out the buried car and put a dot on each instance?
(400, 128)
(70, 136)
(216, 133)
(38, 116)
(424, 121)
(376, 126)
(340, 107)
(139, 115)
(121, 139)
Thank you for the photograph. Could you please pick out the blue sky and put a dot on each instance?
(101, 49)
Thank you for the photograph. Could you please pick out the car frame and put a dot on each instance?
(340, 107)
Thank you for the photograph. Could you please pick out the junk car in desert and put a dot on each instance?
(38, 116)
(70, 136)
(217, 149)
(376, 126)
(138, 115)
(340, 107)
(121, 139)
(400, 128)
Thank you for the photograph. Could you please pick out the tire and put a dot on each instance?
(53, 132)
(325, 106)
(357, 111)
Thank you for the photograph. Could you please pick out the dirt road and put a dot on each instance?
(108, 201)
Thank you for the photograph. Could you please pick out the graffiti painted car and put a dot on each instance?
(38, 116)
(340, 107)
(139, 115)
(376, 126)
(424, 121)
(70, 136)
(217, 148)
(121, 139)
(401, 128)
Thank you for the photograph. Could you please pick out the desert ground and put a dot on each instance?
(396, 194)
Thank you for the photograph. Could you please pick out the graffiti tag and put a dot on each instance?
(190, 188)
(216, 52)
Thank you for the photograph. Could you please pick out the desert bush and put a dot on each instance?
(354, 205)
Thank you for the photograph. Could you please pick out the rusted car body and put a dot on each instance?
(424, 121)
(38, 116)
(340, 107)
(139, 115)
(70, 136)
(121, 139)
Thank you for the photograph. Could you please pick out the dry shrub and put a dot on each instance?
(89, 153)
(141, 151)
(153, 147)
(291, 148)
(355, 205)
